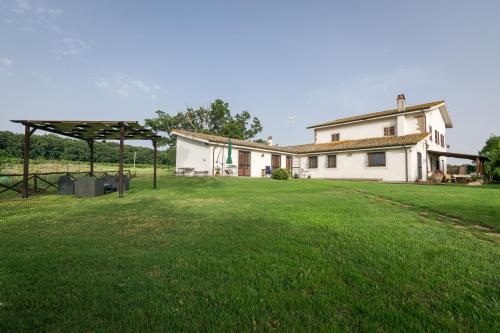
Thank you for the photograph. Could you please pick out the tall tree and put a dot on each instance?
(216, 119)
(492, 150)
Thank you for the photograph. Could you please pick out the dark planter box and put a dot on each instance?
(89, 187)
(65, 185)
(112, 181)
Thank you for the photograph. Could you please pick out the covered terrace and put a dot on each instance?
(477, 159)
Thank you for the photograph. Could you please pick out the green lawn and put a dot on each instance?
(469, 204)
(202, 254)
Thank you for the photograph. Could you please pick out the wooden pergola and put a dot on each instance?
(89, 131)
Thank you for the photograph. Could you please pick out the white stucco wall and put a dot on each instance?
(193, 154)
(366, 129)
(354, 165)
(405, 124)
(259, 159)
(435, 120)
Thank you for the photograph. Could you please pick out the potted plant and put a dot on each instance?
(437, 177)
(217, 171)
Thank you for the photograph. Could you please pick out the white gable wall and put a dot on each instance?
(435, 119)
(193, 154)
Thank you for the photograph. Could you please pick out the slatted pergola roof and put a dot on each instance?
(93, 130)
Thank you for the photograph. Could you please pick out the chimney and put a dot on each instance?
(401, 102)
(270, 141)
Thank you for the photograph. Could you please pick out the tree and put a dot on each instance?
(53, 147)
(216, 119)
(491, 149)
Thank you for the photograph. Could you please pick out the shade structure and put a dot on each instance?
(93, 129)
(229, 152)
(89, 130)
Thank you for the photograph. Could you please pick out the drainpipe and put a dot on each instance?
(426, 161)
(406, 162)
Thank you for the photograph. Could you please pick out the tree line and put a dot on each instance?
(53, 147)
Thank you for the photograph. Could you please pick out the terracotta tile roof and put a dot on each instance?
(223, 139)
(409, 108)
(385, 141)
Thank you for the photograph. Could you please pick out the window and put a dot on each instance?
(376, 159)
(313, 162)
(442, 140)
(332, 161)
(335, 137)
(389, 131)
(430, 131)
(275, 161)
(436, 135)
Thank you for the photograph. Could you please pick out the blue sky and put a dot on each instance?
(311, 60)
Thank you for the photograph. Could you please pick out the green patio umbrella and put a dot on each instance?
(229, 152)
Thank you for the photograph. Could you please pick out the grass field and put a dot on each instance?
(253, 254)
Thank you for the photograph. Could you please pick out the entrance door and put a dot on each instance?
(275, 161)
(289, 163)
(244, 163)
(437, 164)
(419, 165)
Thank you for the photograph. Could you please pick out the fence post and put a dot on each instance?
(35, 182)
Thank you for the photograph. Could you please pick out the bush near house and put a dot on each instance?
(281, 173)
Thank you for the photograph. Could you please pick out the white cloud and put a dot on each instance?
(125, 87)
(139, 84)
(41, 76)
(102, 84)
(32, 17)
(49, 11)
(6, 62)
(21, 7)
(70, 46)
(123, 90)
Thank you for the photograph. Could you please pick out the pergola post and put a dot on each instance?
(91, 146)
(26, 159)
(120, 161)
(154, 162)
(479, 166)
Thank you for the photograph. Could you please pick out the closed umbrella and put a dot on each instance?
(229, 152)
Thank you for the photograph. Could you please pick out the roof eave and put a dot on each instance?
(235, 145)
(448, 122)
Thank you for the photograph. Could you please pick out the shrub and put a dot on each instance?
(281, 173)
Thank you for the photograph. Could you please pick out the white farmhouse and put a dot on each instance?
(403, 144)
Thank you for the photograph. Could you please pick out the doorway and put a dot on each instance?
(419, 165)
(289, 163)
(244, 163)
